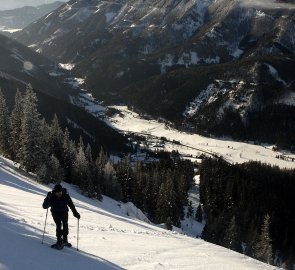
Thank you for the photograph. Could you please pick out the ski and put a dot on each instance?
(58, 247)
(67, 244)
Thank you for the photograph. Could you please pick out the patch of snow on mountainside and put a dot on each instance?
(81, 15)
(276, 75)
(9, 30)
(287, 99)
(67, 66)
(87, 101)
(231, 91)
(110, 16)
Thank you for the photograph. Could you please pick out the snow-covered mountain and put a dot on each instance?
(230, 59)
(8, 5)
(110, 236)
(21, 17)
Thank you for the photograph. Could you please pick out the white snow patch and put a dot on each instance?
(67, 66)
(88, 102)
(75, 82)
(131, 210)
(110, 16)
(287, 99)
(9, 30)
(82, 14)
(237, 53)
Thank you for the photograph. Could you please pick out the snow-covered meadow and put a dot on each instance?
(193, 144)
(110, 236)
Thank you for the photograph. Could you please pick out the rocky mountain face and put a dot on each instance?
(211, 66)
(21, 17)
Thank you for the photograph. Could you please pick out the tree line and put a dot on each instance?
(250, 208)
(159, 188)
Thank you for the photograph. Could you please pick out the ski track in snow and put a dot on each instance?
(109, 239)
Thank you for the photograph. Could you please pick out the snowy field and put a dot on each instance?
(109, 238)
(232, 151)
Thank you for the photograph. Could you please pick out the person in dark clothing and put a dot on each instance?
(59, 201)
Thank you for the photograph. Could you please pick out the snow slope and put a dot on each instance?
(109, 239)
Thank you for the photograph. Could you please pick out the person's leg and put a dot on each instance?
(65, 226)
(58, 222)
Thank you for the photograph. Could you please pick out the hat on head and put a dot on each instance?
(57, 188)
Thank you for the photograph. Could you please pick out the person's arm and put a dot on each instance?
(72, 207)
(47, 201)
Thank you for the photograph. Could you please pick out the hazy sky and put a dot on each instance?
(10, 4)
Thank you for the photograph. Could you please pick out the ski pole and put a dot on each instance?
(78, 236)
(44, 226)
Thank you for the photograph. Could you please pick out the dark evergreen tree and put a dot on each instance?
(15, 126)
(111, 185)
(32, 152)
(190, 210)
(99, 167)
(231, 237)
(169, 224)
(4, 127)
(55, 136)
(90, 187)
(167, 202)
(68, 156)
(199, 214)
(263, 246)
(125, 177)
(81, 168)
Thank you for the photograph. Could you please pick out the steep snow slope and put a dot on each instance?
(109, 239)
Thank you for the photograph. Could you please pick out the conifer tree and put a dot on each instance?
(169, 224)
(32, 151)
(90, 188)
(15, 125)
(68, 156)
(167, 202)
(190, 210)
(100, 164)
(162, 208)
(55, 138)
(231, 236)
(81, 167)
(263, 247)
(199, 214)
(111, 186)
(51, 171)
(4, 127)
(125, 177)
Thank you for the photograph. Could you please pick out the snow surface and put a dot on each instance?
(193, 144)
(109, 239)
(66, 66)
(9, 30)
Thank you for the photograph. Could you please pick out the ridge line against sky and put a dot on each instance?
(6, 5)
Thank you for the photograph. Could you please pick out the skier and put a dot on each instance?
(59, 200)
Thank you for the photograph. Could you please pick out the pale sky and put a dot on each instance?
(11, 4)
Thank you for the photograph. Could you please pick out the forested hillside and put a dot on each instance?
(250, 208)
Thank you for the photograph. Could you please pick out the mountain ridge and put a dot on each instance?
(119, 45)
